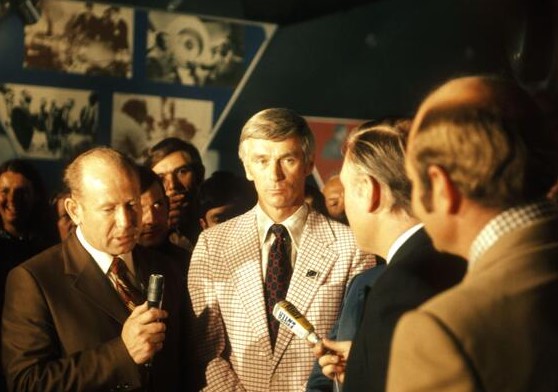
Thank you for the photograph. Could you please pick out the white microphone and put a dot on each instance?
(288, 315)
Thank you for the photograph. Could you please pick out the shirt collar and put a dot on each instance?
(505, 222)
(401, 240)
(104, 260)
(294, 224)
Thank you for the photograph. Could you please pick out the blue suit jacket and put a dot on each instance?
(349, 319)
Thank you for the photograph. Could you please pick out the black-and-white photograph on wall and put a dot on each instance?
(46, 122)
(194, 51)
(141, 121)
(82, 38)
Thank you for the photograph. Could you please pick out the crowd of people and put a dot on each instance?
(429, 263)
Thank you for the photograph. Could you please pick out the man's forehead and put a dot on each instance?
(291, 144)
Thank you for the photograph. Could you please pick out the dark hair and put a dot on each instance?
(147, 178)
(173, 144)
(224, 188)
(317, 199)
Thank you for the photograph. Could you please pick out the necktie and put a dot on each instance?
(278, 275)
(118, 274)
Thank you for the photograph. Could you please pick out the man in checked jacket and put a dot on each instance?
(228, 270)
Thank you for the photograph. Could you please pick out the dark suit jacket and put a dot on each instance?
(416, 273)
(63, 319)
(347, 324)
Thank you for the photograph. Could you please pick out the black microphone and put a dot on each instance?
(155, 291)
(154, 300)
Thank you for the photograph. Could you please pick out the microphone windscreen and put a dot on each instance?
(155, 291)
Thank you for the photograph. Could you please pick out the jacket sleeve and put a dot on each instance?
(425, 356)
(208, 328)
(32, 357)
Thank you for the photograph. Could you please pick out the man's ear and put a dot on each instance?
(369, 189)
(247, 171)
(445, 194)
(73, 209)
(203, 225)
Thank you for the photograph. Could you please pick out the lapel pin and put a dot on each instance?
(311, 274)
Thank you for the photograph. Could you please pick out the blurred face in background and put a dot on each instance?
(155, 212)
(16, 202)
(217, 215)
(179, 179)
(334, 198)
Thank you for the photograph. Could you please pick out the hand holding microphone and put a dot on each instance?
(143, 332)
(288, 315)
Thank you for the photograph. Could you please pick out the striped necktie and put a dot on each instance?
(119, 276)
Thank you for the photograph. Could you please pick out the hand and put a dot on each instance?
(176, 202)
(332, 357)
(143, 333)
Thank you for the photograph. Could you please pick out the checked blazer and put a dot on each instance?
(226, 287)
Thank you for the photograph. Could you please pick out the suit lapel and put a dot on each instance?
(89, 280)
(314, 262)
(243, 258)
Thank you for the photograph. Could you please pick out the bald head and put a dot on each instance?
(96, 162)
(105, 199)
(487, 134)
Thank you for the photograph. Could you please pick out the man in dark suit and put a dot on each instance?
(377, 202)
(71, 320)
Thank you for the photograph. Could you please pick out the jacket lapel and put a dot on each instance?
(243, 258)
(89, 280)
(314, 262)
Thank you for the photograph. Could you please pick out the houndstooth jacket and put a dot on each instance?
(226, 288)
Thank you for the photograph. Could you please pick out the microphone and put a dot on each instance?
(288, 315)
(155, 291)
(154, 300)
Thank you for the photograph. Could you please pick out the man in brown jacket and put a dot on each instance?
(481, 163)
(66, 326)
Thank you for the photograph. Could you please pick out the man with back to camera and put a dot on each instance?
(378, 207)
(75, 316)
(481, 164)
(241, 347)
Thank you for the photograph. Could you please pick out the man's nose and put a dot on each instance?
(147, 216)
(277, 171)
(125, 217)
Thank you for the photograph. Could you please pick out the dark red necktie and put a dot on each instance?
(277, 276)
(118, 274)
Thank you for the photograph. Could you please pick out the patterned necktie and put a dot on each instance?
(119, 276)
(278, 275)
